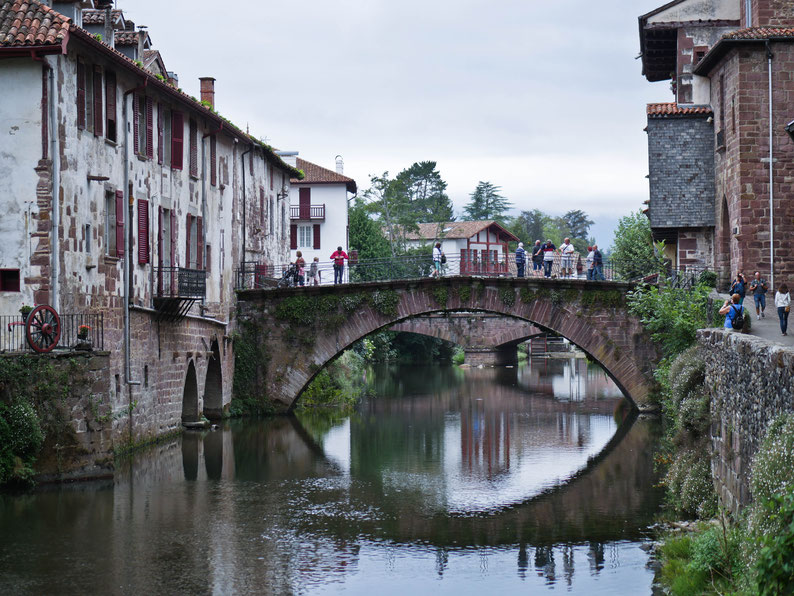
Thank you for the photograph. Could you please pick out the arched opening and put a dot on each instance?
(190, 409)
(724, 258)
(213, 385)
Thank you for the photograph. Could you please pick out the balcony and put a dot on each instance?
(177, 289)
(306, 212)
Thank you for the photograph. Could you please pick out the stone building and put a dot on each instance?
(122, 195)
(719, 190)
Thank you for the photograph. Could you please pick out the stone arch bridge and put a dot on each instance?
(286, 336)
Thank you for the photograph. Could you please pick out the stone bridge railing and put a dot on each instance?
(285, 337)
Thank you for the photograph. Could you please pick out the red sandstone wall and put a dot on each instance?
(772, 12)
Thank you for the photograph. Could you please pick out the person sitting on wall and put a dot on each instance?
(734, 313)
(338, 257)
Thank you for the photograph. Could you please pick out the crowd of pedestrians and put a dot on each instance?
(733, 307)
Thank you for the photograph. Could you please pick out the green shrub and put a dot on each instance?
(459, 356)
(774, 571)
(690, 489)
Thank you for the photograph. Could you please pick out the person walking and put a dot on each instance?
(438, 257)
(598, 264)
(758, 287)
(567, 250)
(783, 304)
(739, 286)
(732, 309)
(548, 257)
(521, 259)
(300, 264)
(338, 257)
(314, 271)
(537, 257)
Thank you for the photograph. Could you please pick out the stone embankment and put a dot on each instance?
(750, 381)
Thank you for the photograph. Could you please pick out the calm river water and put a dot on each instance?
(444, 481)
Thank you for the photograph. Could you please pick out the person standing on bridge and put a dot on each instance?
(783, 304)
(548, 257)
(537, 257)
(731, 310)
(758, 287)
(300, 264)
(598, 264)
(739, 286)
(338, 257)
(438, 260)
(521, 259)
(567, 251)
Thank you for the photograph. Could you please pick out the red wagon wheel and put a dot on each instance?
(43, 328)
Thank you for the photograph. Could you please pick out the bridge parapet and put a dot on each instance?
(294, 332)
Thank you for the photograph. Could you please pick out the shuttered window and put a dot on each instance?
(316, 236)
(98, 119)
(199, 243)
(262, 207)
(135, 118)
(213, 161)
(177, 140)
(149, 128)
(188, 228)
(160, 131)
(119, 223)
(80, 95)
(143, 231)
(293, 236)
(193, 148)
(110, 105)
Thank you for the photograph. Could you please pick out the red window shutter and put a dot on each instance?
(160, 133)
(149, 128)
(293, 236)
(193, 148)
(160, 228)
(177, 140)
(187, 242)
(316, 236)
(80, 95)
(98, 118)
(199, 243)
(143, 231)
(135, 109)
(110, 104)
(262, 206)
(119, 223)
(173, 238)
(213, 161)
(304, 203)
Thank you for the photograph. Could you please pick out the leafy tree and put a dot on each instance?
(392, 209)
(366, 236)
(486, 203)
(529, 225)
(577, 224)
(425, 192)
(634, 254)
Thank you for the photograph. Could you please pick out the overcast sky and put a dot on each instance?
(542, 98)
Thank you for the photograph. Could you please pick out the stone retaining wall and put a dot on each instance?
(750, 382)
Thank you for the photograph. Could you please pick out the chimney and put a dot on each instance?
(340, 165)
(109, 36)
(208, 90)
(173, 78)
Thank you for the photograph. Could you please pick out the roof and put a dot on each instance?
(29, 23)
(96, 16)
(741, 36)
(314, 174)
(662, 110)
(455, 230)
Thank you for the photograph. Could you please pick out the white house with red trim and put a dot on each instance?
(318, 211)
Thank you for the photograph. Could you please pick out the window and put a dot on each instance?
(166, 149)
(213, 161)
(98, 120)
(305, 237)
(87, 241)
(9, 280)
(114, 223)
(80, 95)
(143, 231)
(143, 125)
(262, 207)
(140, 121)
(271, 211)
(193, 148)
(89, 99)
(195, 247)
(177, 140)
(110, 105)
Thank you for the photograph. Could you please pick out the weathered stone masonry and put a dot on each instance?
(750, 381)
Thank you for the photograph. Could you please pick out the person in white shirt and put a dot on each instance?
(437, 258)
(590, 260)
(567, 251)
(783, 304)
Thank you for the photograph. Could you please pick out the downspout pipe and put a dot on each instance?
(245, 208)
(126, 263)
(56, 191)
(769, 57)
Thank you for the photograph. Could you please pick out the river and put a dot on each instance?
(443, 481)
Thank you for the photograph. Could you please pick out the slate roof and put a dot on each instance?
(31, 23)
(455, 230)
(662, 110)
(314, 174)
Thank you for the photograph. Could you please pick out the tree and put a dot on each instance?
(425, 192)
(634, 254)
(486, 203)
(392, 209)
(578, 224)
(366, 236)
(529, 225)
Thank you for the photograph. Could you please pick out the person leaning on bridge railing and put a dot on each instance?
(598, 264)
(338, 257)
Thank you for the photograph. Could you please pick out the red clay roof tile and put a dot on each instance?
(761, 33)
(659, 110)
(314, 174)
(31, 23)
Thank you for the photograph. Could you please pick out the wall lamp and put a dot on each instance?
(790, 129)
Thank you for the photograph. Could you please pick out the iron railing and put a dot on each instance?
(78, 331)
(179, 282)
(307, 212)
(469, 263)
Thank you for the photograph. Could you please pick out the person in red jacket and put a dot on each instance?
(338, 257)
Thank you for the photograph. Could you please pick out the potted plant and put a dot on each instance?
(25, 310)
(83, 341)
(82, 332)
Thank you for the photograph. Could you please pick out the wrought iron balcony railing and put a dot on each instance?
(179, 282)
(307, 212)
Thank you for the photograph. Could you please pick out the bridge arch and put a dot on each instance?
(301, 330)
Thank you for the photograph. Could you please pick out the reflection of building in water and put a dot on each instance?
(484, 439)
(567, 379)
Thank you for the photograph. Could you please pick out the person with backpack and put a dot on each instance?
(521, 259)
(739, 286)
(734, 313)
